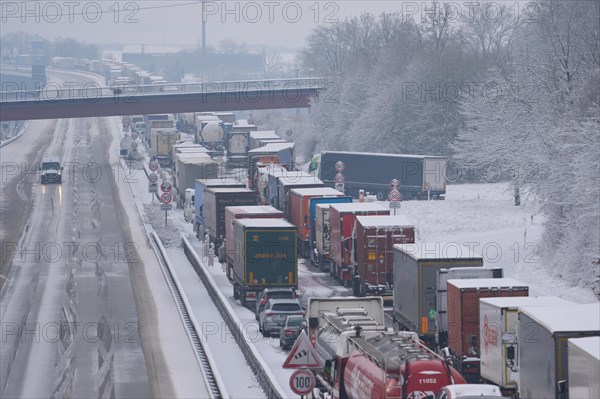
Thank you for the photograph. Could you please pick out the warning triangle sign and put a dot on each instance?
(303, 355)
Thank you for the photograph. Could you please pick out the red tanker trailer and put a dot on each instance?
(363, 359)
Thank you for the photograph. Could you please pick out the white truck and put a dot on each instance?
(584, 368)
(499, 328)
(543, 351)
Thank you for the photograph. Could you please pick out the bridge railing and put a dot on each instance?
(90, 91)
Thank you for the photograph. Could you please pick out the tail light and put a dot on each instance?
(267, 313)
(287, 332)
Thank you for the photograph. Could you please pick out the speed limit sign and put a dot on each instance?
(134, 145)
(153, 178)
(394, 195)
(134, 135)
(153, 166)
(166, 198)
(302, 381)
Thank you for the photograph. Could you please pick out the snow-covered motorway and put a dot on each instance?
(84, 309)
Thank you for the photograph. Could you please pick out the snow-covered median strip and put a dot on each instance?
(197, 326)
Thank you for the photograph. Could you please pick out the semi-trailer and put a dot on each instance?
(266, 258)
(463, 317)
(499, 328)
(544, 333)
(341, 229)
(243, 212)
(200, 186)
(443, 275)
(415, 278)
(215, 201)
(374, 252)
(299, 212)
(319, 229)
(419, 176)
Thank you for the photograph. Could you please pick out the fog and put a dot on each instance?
(269, 23)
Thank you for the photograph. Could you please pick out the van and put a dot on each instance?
(51, 169)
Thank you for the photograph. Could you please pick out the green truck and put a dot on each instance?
(265, 257)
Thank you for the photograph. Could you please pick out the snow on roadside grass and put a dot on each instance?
(484, 217)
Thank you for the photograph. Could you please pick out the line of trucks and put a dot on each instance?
(436, 288)
(534, 348)
(440, 293)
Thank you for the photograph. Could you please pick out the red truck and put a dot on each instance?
(341, 230)
(374, 263)
(363, 359)
(463, 317)
(299, 212)
(243, 212)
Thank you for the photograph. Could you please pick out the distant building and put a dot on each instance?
(164, 60)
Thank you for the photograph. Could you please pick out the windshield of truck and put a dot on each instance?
(286, 307)
(50, 165)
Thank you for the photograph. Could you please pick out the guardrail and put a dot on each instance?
(265, 377)
(212, 379)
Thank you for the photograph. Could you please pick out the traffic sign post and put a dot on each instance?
(302, 382)
(394, 198)
(166, 197)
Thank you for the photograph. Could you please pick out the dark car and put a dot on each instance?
(275, 312)
(290, 331)
(268, 293)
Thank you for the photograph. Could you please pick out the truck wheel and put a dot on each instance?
(236, 293)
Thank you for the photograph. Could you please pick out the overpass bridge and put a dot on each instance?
(91, 100)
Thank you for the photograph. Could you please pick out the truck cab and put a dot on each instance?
(51, 169)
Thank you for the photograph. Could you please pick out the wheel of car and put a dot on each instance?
(281, 344)
(265, 333)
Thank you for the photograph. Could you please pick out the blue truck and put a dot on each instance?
(317, 257)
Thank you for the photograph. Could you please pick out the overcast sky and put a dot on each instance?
(178, 22)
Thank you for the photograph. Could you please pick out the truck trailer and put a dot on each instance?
(463, 317)
(415, 277)
(319, 229)
(341, 230)
(443, 275)
(191, 168)
(499, 332)
(584, 368)
(243, 212)
(199, 186)
(374, 253)
(215, 201)
(420, 176)
(544, 333)
(266, 257)
(299, 212)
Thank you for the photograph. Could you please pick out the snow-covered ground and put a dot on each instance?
(483, 217)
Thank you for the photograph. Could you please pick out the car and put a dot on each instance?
(469, 391)
(268, 293)
(290, 331)
(273, 316)
(51, 169)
